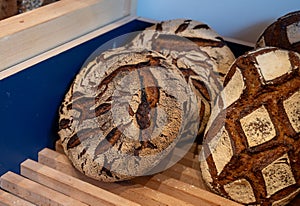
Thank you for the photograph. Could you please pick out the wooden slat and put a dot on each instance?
(190, 161)
(34, 192)
(71, 186)
(26, 35)
(184, 191)
(8, 199)
(185, 174)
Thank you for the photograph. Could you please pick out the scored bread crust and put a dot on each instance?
(204, 37)
(124, 112)
(252, 148)
(199, 52)
(283, 33)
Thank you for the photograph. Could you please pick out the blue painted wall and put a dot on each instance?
(242, 19)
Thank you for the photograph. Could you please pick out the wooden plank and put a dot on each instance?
(58, 147)
(34, 192)
(184, 191)
(185, 174)
(190, 162)
(26, 35)
(71, 186)
(155, 183)
(8, 199)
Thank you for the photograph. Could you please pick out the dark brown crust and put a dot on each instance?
(8, 8)
(201, 26)
(202, 88)
(207, 42)
(182, 26)
(276, 33)
(248, 162)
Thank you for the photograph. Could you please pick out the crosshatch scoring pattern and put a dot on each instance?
(258, 131)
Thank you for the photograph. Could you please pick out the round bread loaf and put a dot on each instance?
(283, 33)
(251, 152)
(124, 113)
(190, 44)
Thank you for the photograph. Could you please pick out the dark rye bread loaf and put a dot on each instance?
(283, 33)
(251, 152)
(199, 53)
(8, 8)
(125, 111)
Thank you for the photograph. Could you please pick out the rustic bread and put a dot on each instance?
(251, 152)
(125, 111)
(190, 44)
(283, 33)
(8, 8)
(204, 37)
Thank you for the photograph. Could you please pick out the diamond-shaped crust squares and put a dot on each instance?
(221, 149)
(292, 108)
(278, 60)
(240, 189)
(260, 128)
(278, 175)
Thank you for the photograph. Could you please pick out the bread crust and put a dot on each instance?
(252, 147)
(283, 33)
(199, 52)
(124, 112)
